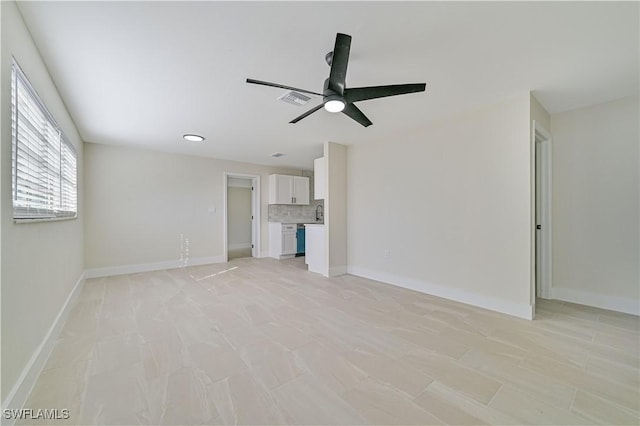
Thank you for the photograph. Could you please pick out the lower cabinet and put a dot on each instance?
(283, 242)
(289, 240)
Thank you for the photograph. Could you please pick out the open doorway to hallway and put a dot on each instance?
(241, 214)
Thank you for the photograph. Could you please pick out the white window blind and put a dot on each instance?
(44, 172)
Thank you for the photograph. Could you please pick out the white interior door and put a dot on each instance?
(255, 214)
(543, 213)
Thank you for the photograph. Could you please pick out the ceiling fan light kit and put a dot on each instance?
(334, 103)
(336, 97)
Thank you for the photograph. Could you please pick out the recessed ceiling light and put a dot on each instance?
(193, 138)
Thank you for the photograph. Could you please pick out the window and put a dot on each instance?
(44, 172)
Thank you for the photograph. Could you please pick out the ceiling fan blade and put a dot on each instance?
(306, 114)
(339, 63)
(354, 112)
(266, 83)
(356, 94)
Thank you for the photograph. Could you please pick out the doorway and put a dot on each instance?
(543, 226)
(241, 215)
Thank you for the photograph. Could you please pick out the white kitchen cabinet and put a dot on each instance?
(285, 189)
(301, 190)
(280, 189)
(283, 242)
(319, 173)
(289, 242)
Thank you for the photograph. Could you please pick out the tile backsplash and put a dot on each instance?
(296, 214)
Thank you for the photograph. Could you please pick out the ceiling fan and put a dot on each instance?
(336, 97)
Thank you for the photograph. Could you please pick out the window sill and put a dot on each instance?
(48, 219)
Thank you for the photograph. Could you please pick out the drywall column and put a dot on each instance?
(335, 204)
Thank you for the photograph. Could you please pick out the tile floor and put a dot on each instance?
(260, 341)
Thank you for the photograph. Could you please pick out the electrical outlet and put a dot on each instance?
(387, 254)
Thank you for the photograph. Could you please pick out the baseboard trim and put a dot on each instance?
(239, 246)
(602, 301)
(150, 267)
(462, 296)
(18, 395)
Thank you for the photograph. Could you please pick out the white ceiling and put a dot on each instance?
(144, 73)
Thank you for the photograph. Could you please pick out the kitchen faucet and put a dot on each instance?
(319, 213)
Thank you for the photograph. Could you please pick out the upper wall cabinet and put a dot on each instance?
(285, 189)
(300, 190)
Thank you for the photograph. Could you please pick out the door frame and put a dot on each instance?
(542, 213)
(255, 212)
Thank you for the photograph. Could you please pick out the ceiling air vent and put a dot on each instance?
(294, 98)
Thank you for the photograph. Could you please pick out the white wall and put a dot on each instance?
(596, 197)
(451, 205)
(41, 262)
(239, 216)
(146, 207)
